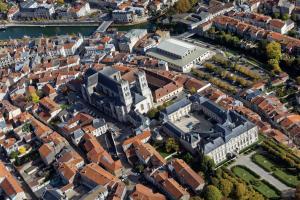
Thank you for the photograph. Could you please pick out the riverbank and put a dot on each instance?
(51, 23)
(18, 31)
(48, 31)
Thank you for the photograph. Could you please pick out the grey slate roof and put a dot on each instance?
(77, 134)
(174, 129)
(232, 125)
(98, 122)
(176, 106)
(137, 98)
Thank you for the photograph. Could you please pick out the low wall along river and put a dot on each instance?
(37, 31)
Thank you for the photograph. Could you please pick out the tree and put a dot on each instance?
(26, 127)
(193, 2)
(140, 168)
(276, 15)
(275, 65)
(188, 158)
(225, 187)
(240, 191)
(152, 113)
(298, 79)
(207, 165)
(256, 196)
(183, 6)
(14, 155)
(34, 97)
(273, 50)
(212, 193)
(60, 1)
(3, 7)
(195, 198)
(193, 90)
(171, 145)
(285, 17)
(294, 17)
(297, 192)
(22, 150)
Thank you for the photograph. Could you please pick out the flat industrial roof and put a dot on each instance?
(154, 52)
(177, 47)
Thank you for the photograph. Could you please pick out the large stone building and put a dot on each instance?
(179, 55)
(107, 91)
(31, 9)
(202, 126)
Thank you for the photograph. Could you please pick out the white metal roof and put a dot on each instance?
(175, 46)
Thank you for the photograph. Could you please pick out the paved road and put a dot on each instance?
(245, 160)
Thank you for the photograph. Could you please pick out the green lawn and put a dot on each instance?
(262, 187)
(262, 162)
(279, 173)
(163, 152)
(242, 173)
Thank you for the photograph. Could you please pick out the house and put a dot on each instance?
(83, 123)
(9, 111)
(48, 90)
(12, 12)
(80, 9)
(285, 7)
(142, 192)
(48, 109)
(9, 145)
(68, 163)
(53, 144)
(10, 187)
(3, 126)
(98, 193)
(39, 129)
(32, 9)
(280, 26)
(127, 41)
(143, 137)
(170, 187)
(195, 84)
(186, 175)
(97, 128)
(97, 154)
(163, 88)
(47, 153)
(93, 175)
(148, 155)
(128, 15)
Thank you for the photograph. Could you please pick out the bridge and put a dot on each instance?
(103, 26)
(185, 35)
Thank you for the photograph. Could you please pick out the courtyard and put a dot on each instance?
(193, 122)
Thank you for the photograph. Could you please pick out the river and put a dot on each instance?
(20, 32)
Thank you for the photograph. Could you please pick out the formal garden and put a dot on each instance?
(285, 175)
(262, 186)
(231, 75)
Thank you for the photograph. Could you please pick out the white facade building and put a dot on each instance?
(222, 136)
(179, 55)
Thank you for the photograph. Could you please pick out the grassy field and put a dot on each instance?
(278, 172)
(261, 186)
